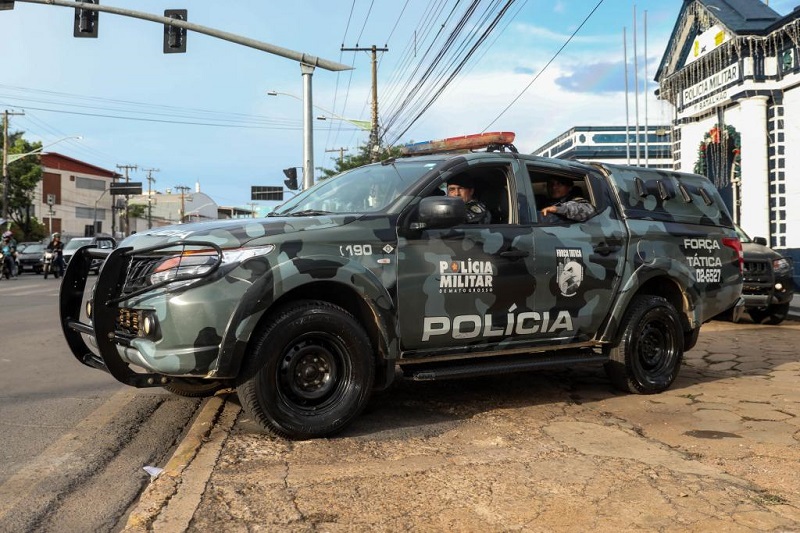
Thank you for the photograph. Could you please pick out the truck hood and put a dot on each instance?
(234, 233)
(753, 251)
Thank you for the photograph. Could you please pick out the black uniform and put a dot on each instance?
(477, 213)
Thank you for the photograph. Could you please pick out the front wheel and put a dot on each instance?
(309, 373)
(774, 314)
(648, 354)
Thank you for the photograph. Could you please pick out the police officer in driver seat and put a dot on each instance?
(464, 187)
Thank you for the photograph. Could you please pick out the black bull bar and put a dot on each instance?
(109, 285)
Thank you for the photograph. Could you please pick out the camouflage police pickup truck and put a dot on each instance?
(310, 309)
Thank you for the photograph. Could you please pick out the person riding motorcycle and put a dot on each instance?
(57, 248)
(9, 249)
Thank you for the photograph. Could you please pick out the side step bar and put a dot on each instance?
(489, 367)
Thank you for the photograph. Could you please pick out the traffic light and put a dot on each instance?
(6, 4)
(291, 178)
(175, 37)
(86, 20)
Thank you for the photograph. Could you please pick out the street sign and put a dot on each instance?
(126, 188)
(51, 199)
(258, 192)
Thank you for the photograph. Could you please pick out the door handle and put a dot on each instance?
(604, 248)
(514, 254)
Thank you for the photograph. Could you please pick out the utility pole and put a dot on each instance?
(127, 229)
(6, 178)
(183, 189)
(341, 151)
(253, 209)
(150, 181)
(373, 134)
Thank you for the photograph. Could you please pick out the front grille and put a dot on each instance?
(757, 277)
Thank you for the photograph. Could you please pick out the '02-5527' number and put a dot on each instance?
(355, 249)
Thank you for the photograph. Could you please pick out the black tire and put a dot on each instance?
(648, 354)
(309, 372)
(46, 271)
(690, 339)
(774, 314)
(194, 388)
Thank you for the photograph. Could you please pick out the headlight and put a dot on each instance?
(782, 265)
(193, 264)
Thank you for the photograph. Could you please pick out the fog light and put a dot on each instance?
(89, 308)
(779, 286)
(148, 324)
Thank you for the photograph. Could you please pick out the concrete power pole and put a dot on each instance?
(150, 181)
(341, 151)
(183, 190)
(373, 133)
(127, 229)
(6, 178)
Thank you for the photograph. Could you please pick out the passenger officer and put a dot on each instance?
(565, 202)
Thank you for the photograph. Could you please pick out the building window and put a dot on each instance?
(787, 60)
(89, 213)
(88, 183)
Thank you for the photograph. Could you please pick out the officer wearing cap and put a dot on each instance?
(463, 187)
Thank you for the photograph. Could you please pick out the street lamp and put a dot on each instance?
(365, 125)
(195, 212)
(15, 157)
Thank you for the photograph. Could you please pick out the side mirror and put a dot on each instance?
(760, 240)
(440, 212)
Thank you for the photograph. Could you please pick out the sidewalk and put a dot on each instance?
(554, 451)
(794, 308)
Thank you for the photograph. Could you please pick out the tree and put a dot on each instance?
(24, 175)
(362, 158)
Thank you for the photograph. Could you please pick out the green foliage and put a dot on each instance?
(728, 145)
(24, 175)
(362, 158)
(137, 210)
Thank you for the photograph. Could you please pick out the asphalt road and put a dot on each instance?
(73, 441)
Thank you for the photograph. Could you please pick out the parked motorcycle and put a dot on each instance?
(49, 264)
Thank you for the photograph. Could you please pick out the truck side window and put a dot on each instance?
(569, 196)
(491, 188)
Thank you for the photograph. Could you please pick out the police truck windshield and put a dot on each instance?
(366, 189)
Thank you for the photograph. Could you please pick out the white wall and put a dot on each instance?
(791, 103)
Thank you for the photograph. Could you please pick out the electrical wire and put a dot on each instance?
(536, 77)
(446, 65)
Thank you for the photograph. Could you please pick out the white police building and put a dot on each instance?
(731, 71)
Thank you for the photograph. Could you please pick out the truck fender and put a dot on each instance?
(294, 275)
(690, 303)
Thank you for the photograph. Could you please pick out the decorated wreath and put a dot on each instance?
(725, 145)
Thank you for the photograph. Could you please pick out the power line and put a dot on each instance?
(162, 121)
(544, 68)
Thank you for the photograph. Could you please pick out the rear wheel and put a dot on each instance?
(648, 355)
(309, 373)
(774, 314)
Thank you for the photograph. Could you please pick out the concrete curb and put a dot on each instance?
(169, 502)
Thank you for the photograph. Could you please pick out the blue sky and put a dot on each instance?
(169, 100)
